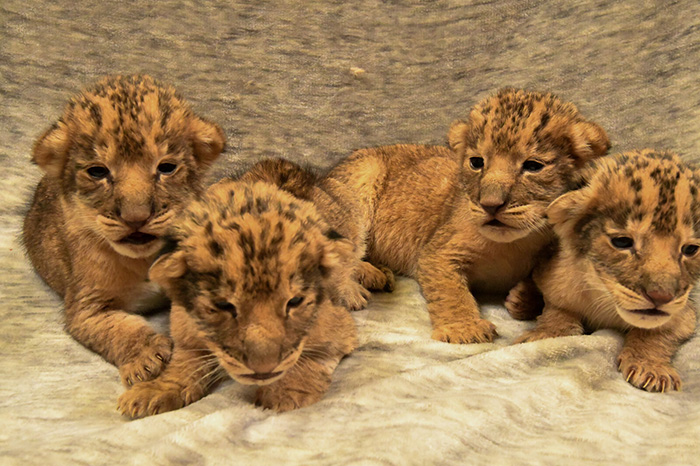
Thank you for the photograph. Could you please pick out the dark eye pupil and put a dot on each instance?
(622, 242)
(166, 168)
(225, 306)
(532, 166)
(98, 172)
(690, 249)
(476, 162)
(295, 301)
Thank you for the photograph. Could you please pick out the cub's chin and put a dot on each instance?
(499, 232)
(644, 318)
(137, 245)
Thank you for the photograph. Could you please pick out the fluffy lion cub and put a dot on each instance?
(627, 259)
(126, 154)
(469, 218)
(251, 273)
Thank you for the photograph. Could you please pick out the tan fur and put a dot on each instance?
(93, 238)
(626, 260)
(303, 184)
(423, 211)
(251, 272)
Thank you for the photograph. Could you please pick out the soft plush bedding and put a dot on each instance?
(311, 81)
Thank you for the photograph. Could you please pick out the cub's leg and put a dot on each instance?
(524, 300)
(189, 376)
(452, 307)
(123, 339)
(553, 323)
(375, 278)
(645, 359)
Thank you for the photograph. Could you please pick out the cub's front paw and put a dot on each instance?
(149, 361)
(376, 278)
(524, 301)
(479, 331)
(284, 399)
(146, 399)
(354, 297)
(535, 335)
(648, 375)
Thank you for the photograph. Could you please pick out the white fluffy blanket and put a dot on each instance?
(401, 398)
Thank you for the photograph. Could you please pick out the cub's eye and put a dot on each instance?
(477, 163)
(166, 168)
(622, 242)
(226, 306)
(532, 166)
(690, 250)
(98, 172)
(294, 302)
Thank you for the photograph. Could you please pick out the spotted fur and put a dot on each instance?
(627, 259)
(470, 217)
(251, 273)
(125, 155)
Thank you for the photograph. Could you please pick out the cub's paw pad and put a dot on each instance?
(524, 302)
(282, 400)
(149, 362)
(480, 331)
(649, 376)
(147, 399)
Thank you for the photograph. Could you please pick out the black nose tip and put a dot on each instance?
(492, 209)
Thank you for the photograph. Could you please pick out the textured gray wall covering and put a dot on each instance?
(278, 77)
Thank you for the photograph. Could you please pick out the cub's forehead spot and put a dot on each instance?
(657, 189)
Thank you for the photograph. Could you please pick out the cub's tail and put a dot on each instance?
(284, 174)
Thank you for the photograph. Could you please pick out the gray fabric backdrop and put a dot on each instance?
(312, 80)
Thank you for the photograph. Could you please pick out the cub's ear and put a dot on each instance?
(463, 134)
(208, 140)
(583, 140)
(569, 206)
(51, 150)
(168, 266)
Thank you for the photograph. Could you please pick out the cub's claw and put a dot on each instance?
(149, 398)
(648, 375)
(149, 362)
(480, 331)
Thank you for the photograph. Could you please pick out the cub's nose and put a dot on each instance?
(491, 207)
(659, 297)
(135, 217)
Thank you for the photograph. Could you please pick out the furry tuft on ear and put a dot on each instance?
(50, 151)
(166, 267)
(465, 133)
(457, 136)
(569, 206)
(208, 140)
(583, 140)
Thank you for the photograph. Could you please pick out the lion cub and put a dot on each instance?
(627, 259)
(469, 218)
(127, 153)
(251, 272)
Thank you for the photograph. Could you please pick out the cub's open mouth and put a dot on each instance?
(138, 238)
(262, 376)
(496, 223)
(649, 312)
